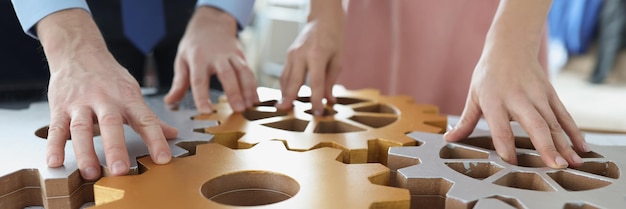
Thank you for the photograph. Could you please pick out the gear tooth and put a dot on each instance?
(106, 195)
(211, 149)
(338, 89)
(304, 91)
(266, 94)
(178, 151)
(376, 173)
(228, 139)
(428, 128)
(426, 108)
(146, 162)
(326, 152)
(271, 145)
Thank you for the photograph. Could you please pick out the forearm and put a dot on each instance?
(518, 25)
(30, 12)
(327, 9)
(68, 33)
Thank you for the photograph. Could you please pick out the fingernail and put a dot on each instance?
(163, 158)
(118, 168)
(318, 112)
(52, 160)
(91, 173)
(560, 162)
(577, 159)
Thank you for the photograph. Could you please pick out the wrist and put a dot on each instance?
(67, 34)
(207, 15)
(326, 9)
(517, 27)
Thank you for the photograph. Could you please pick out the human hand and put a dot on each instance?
(210, 46)
(318, 53)
(512, 86)
(88, 86)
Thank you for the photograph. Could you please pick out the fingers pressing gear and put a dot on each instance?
(363, 124)
(470, 174)
(30, 182)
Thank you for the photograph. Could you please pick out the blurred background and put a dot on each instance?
(587, 64)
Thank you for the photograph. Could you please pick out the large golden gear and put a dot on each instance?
(267, 176)
(470, 174)
(363, 124)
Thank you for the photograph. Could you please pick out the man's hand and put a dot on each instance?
(88, 86)
(210, 46)
(316, 52)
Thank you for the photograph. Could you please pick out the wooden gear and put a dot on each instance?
(266, 176)
(470, 174)
(363, 124)
(26, 179)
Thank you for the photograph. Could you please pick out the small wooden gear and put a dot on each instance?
(265, 176)
(470, 174)
(363, 124)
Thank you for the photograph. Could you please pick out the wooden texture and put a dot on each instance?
(363, 124)
(470, 174)
(266, 175)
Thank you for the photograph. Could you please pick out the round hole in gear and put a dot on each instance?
(43, 132)
(250, 188)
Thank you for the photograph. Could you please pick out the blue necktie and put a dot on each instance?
(144, 23)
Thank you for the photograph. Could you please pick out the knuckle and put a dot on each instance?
(226, 72)
(148, 120)
(316, 51)
(80, 125)
(555, 126)
(110, 119)
(196, 80)
(538, 124)
(56, 129)
(130, 89)
(114, 149)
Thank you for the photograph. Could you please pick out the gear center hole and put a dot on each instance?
(250, 188)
